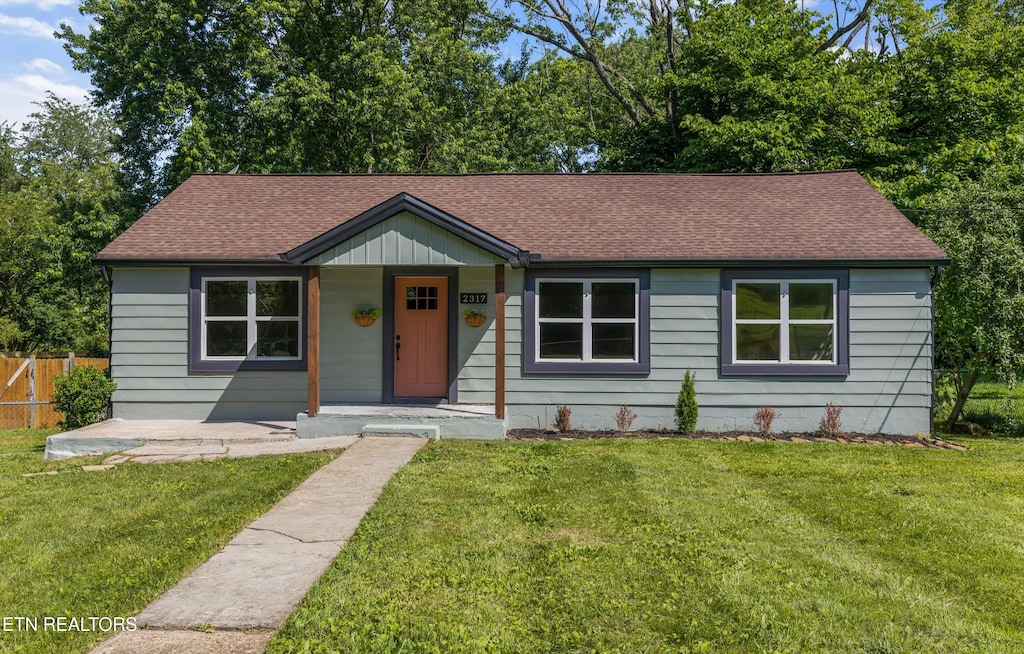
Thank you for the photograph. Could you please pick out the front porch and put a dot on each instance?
(471, 421)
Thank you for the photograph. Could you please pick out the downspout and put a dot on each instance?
(105, 274)
(936, 276)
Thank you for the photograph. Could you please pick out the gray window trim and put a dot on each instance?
(726, 324)
(196, 363)
(532, 365)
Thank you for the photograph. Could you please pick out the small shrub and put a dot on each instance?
(686, 405)
(830, 426)
(83, 395)
(763, 418)
(624, 418)
(562, 418)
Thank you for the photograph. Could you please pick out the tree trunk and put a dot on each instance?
(961, 398)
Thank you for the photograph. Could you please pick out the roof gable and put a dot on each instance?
(404, 239)
(332, 243)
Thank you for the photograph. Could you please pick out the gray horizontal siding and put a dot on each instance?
(149, 360)
(888, 388)
(350, 355)
(476, 344)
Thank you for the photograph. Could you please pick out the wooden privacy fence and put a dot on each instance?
(27, 388)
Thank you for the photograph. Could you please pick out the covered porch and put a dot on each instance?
(420, 368)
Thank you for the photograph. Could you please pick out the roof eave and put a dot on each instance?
(924, 262)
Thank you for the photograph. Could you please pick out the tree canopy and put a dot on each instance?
(60, 203)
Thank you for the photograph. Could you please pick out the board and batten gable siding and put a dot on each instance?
(404, 239)
(888, 388)
(149, 360)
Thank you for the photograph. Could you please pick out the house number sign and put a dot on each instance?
(473, 298)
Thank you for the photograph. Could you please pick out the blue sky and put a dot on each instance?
(32, 61)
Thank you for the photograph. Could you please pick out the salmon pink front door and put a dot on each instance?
(421, 337)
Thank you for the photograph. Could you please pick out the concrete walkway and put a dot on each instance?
(256, 581)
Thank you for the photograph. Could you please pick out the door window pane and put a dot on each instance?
(277, 338)
(613, 300)
(810, 301)
(226, 298)
(226, 338)
(757, 342)
(613, 341)
(277, 298)
(421, 298)
(756, 301)
(810, 342)
(561, 340)
(561, 300)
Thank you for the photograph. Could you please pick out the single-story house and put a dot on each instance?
(234, 298)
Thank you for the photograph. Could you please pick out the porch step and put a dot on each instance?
(440, 421)
(432, 432)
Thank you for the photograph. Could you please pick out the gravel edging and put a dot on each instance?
(741, 436)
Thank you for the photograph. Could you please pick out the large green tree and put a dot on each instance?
(295, 86)
(959, 99)
(59, 205)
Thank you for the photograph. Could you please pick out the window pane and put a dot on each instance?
(277, 338)
(561, 340)
(757, 342)
(757, 301)
(612, 341)
(226, 339)
(561, 300)
(810, 301)
(277, 298)
(226, 298)
(810, 342)
(613, 300)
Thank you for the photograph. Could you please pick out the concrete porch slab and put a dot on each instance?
(160, 441)
(467, 421)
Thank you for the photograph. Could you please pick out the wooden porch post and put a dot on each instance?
(499, 340)
(313, 342)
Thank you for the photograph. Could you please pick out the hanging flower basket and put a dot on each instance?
(475, 318)
(366, 316)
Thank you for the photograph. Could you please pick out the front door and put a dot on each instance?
(421, 337)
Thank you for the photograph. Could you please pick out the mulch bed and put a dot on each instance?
(742, 436)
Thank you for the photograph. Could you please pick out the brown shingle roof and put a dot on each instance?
(673, 217)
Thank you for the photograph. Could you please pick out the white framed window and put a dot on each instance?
(784, 321)
(251, 318)
(587, 320)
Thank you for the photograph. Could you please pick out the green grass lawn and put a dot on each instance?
(996, 407)
(105, 544)
(682, 546)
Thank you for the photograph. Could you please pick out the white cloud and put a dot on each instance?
(17, 95)
(39, 85)
(42, 5)
(26, 26)
(44, 65)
